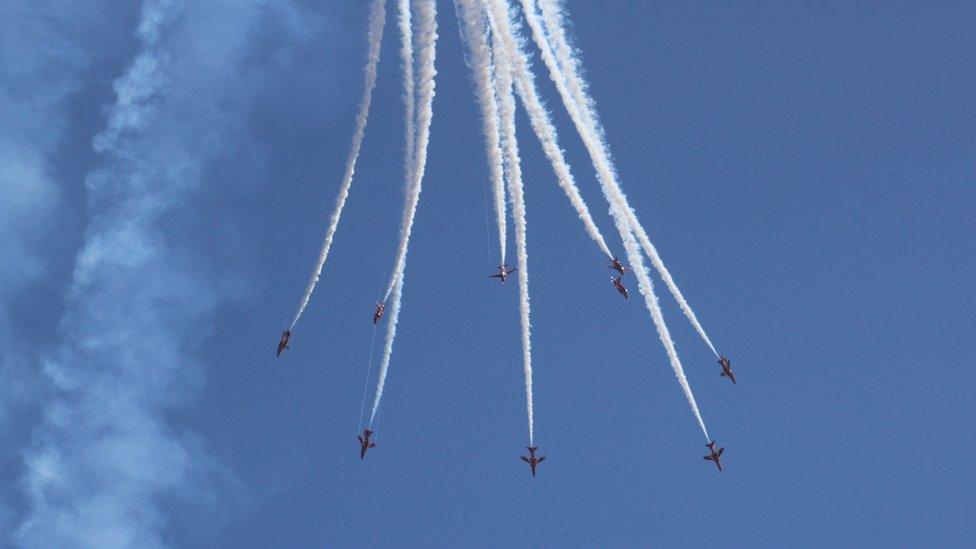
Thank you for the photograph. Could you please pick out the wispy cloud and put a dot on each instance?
(108, 453)
(39, 69)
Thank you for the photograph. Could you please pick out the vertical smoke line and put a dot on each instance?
(503, 82)
(482, 67)
(427, 40)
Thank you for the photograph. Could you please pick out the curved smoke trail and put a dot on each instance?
(377, 20)
(569, 64)
(616, 199)
(427, 41)
(483, 68)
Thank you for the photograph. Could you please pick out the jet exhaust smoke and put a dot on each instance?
(427, 40)
(611, 190)
(542, 126)
(377, 21)
(409, 93)
(482, 66)
(569, 67)
(503, 83)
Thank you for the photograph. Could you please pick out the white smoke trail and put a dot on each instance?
(427, 41)
(409, 93)
(474, 35)
(651, 252)
(541, 125)
(569, 67)
(503, 87)
(377, 20)
(618, 204)
(410, 152)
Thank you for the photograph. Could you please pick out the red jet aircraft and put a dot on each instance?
(503, 273)
(380, 309)
(726, 368)
(532, 460)
(620, 286)
(713, 455)
(283, 344)
(617, 266)
(364, 442)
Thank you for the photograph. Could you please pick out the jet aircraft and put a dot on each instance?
(283, 344)
(503, 272)
(617, 266)
(620, 286)
(364, 442)
(532, 460)
(726, 368)
(713, 455)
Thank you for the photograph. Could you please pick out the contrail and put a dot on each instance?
(377, 20)
(483, 68)
(543, 128)
(427, 42)
(616, 199)
(568, 64)
(506, 98)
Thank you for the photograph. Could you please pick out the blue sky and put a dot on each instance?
(166, 174)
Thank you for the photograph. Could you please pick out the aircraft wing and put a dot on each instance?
(525, 459)
(720, 450)
(708, 458)
(541, 459)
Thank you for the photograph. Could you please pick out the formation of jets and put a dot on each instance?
(283, 344)
(713, 455)
(616, 265)
(364, 442)
(503, 272)
(531, 459)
